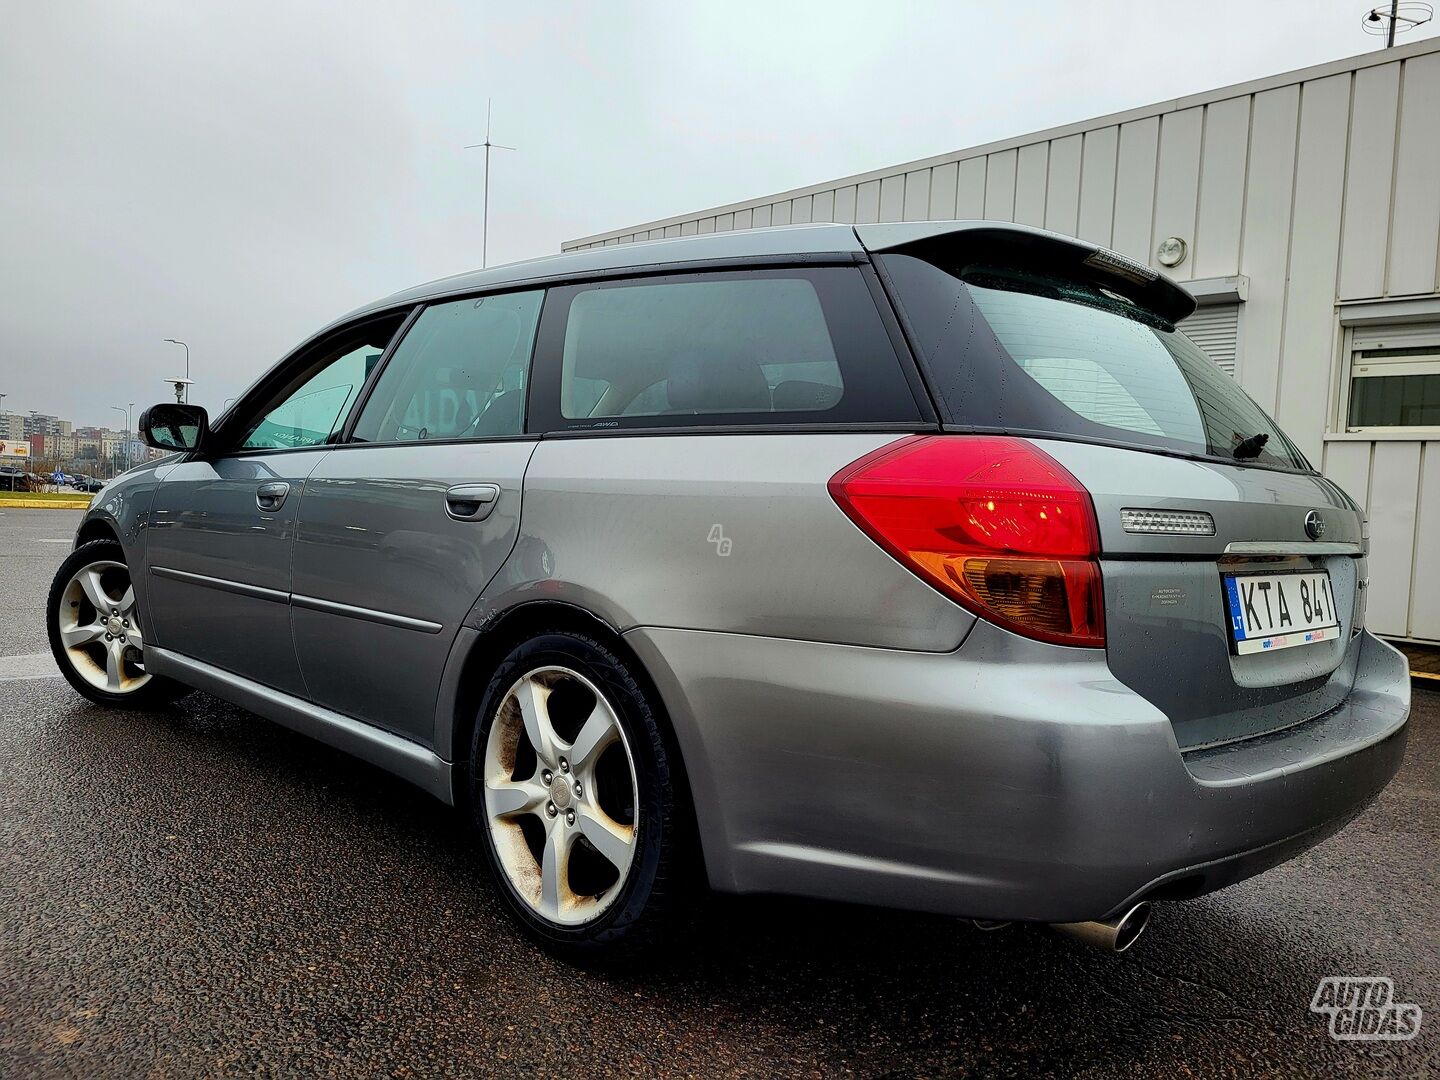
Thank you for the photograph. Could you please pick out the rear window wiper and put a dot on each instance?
(1251, 447)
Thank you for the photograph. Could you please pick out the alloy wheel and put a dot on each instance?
(99, 629)
(560, 795)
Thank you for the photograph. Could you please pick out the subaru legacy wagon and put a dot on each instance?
(926, 565)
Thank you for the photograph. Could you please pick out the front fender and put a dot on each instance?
(121, 509)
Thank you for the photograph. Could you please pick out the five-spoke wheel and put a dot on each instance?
(99, 628)
(573, 788)
(560, 795)
(96, 629)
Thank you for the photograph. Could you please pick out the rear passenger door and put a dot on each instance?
(407, 520)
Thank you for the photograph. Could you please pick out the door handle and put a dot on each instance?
(270, 495)
(471, 502)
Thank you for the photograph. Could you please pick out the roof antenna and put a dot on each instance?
(485, 213)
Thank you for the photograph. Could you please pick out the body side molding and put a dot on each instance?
(240, 588)
(312, 603)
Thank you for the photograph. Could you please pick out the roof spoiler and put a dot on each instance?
(950, 243)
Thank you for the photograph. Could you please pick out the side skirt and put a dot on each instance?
(407, 760)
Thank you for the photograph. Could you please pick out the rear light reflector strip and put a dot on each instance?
(1179, 522)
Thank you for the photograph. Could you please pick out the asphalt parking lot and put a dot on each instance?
(199, 892)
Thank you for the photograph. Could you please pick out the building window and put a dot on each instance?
(1394, 377)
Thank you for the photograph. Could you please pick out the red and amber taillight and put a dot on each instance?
(993, 522)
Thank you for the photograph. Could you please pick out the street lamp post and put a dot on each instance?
(186, 347)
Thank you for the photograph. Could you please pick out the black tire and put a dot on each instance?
(155, 692)
(655, 904)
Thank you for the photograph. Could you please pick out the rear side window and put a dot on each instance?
(1023, 352)
(748, 348)
(459, 373)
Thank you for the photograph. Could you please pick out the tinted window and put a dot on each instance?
(459, 373)
(315, 405)
(1021, 351)
(758, 347)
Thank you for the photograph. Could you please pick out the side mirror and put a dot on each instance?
(172, 426)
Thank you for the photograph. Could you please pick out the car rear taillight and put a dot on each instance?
(993, 522)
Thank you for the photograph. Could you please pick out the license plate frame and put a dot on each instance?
(1257, 621)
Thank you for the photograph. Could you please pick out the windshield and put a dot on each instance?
(1020, 351)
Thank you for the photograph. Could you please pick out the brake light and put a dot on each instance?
(993, 522)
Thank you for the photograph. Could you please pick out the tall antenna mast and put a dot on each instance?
(485, 213)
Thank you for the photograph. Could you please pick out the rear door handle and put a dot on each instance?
(270, 496)
(471, 502)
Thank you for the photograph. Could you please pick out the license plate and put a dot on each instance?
(1280, 611)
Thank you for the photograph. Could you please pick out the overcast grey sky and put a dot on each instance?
(237, 175)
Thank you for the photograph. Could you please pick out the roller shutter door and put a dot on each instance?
(1216, 329)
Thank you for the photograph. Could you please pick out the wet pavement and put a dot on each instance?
(200, 892)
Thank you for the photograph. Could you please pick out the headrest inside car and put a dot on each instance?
(797, 396)
(710, 379)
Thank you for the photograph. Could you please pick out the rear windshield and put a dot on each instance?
(1018, 351)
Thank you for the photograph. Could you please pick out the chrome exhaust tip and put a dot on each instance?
(1113, 935)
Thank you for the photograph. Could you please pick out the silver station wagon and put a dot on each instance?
(924, 565)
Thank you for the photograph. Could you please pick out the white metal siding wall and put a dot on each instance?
(1321, 186)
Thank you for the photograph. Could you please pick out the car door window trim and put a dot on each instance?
(369, 388)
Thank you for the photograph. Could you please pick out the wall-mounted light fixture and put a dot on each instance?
(1171, 251)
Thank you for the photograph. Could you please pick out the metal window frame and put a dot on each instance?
(1350, 361)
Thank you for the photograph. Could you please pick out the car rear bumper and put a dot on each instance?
(1006, 780)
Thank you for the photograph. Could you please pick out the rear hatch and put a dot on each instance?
(1233, 573)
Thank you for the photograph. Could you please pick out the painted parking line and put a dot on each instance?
(28, 666)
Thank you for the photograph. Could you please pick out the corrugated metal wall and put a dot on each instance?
(1321, 186)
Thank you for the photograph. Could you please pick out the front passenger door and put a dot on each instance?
(222, 525)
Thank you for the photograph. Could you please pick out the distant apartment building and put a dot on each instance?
(89, 445)
(12, 426)
(44, 424)
(59, 446)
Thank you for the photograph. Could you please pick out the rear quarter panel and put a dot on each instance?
(730, 533)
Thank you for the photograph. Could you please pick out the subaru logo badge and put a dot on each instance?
(1314, 525)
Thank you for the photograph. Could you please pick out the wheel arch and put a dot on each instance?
(480, 650)
(97, 527)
